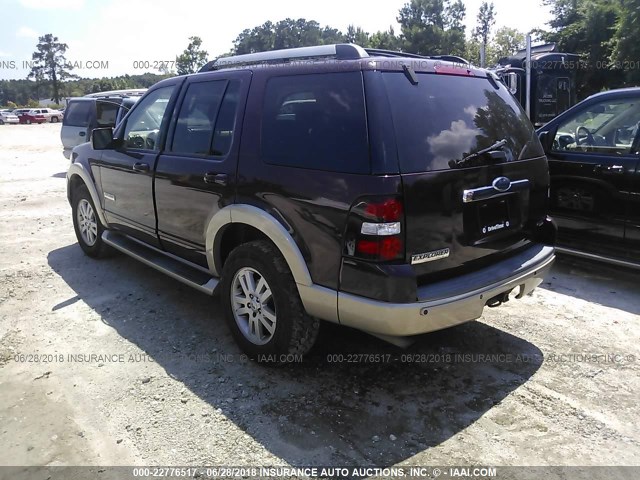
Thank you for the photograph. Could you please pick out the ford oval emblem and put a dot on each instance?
(501, 184)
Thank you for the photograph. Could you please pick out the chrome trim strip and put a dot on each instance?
(78, 169)
(109, 196)
(598, 258)
(484, 193)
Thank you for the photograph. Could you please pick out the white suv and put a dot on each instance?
(50, 114)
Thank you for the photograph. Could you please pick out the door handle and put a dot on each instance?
(217, 178)
(82, 134)
(616, 168)
(141, 167)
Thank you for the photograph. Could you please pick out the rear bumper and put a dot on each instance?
(450, 302)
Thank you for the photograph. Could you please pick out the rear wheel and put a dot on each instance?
(87, 224)
(1, 122)
(54, 119)
(28, 121)
(262, 305)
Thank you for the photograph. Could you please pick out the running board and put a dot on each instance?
(181, 271)
(599, 258)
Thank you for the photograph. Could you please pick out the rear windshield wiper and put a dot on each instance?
(494, 153)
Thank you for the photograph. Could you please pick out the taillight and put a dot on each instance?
(374, 229)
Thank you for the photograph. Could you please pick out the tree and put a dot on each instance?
(433, 27)
(588, 28)
(50, 64)
(486, 19)
(505, 43)
(385, 40)
(287, 33)
(193, 58)
(357, 36)
(626, 40)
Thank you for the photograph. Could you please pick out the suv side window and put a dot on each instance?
(197, 117)
(316, 121)
(77, 114)
(607, 127)
(106, 113)
(144, 123)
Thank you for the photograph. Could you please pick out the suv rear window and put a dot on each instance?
(316, 121)
(78, 114)
(448, 117)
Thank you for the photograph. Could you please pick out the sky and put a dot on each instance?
(116, 37)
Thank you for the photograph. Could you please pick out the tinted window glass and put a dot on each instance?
(608, 127)
(316, 121)
(448, 117)
(197, 117)
(77, 114)
(223, 135)
(106, 113)
(143, 125)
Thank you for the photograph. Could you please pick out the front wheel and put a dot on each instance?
(87, 224)
(262, 305)
(28, 122)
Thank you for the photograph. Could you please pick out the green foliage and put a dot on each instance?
(11, 104)
(588, 28)
(386, 40)
(505, 43)
(21, 91)
(433, 27)
(33, 104)
(50, 65)
(192, 59)
(288, 33)
(626, 42)
(357, 36)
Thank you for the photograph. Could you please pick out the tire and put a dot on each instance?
(87, 226)
(1, 122)
(293, 331)
(28, 121)
(54, 119)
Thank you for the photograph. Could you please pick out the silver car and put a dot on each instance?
(7, 116)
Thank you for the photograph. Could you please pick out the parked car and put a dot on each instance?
(83, 114)
(395, 195)
(594, 160)
(32, 116)
(21, 111)
(8, 117)
(49, 114)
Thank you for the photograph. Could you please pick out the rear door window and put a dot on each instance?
(197, 117)
(446, 118)
(316, 121)
(106, 113)
(78, 114)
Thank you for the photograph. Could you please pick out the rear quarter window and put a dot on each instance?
(448, 117)
(316, 121)
(78, 114)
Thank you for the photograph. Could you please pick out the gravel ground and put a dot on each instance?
(111, 363)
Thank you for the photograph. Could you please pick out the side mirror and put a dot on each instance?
(545, 139)
(102, 138)
(511, 79)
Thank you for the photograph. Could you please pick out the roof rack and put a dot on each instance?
(132, 92)
(393, 53)
(340, 51)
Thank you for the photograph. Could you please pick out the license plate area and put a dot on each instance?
(491, 218)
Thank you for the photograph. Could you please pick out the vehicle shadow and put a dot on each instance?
(595, 282)
(354, 401)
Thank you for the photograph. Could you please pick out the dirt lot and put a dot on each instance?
(111, 363)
